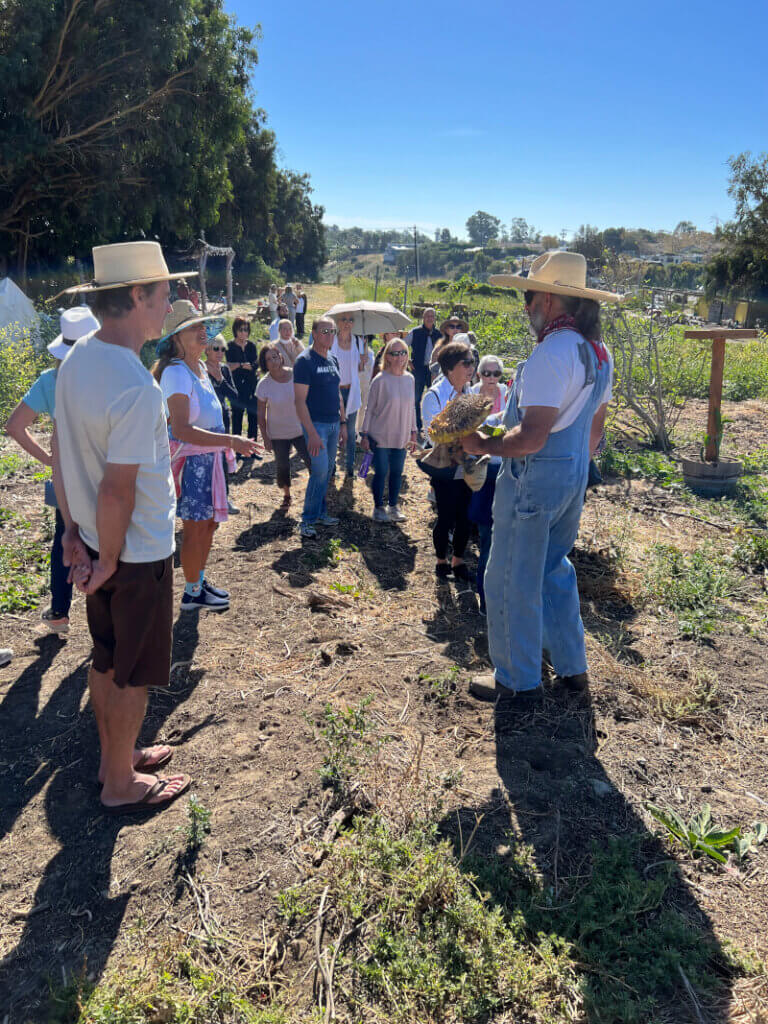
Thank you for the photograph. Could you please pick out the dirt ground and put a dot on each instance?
(313, 622)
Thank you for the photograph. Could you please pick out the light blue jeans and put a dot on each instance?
(320, 470)
(531, 595)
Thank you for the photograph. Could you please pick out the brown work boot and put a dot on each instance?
(484, 687)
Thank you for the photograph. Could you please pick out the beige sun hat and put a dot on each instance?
(184, 314)
(126, 264)
(561, 273)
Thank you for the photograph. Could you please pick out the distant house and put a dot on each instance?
(390, 253)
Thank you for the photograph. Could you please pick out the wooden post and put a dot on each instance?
(203, 292)
(715, 398)
(718, 336)
(230, 258)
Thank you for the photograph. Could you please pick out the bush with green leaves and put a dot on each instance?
(694, 586)
(21, 363)
(700, 836)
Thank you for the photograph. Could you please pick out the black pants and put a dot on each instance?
(299, 325)
(245, 402)
(422, 378)
(282, 449)
(452, 498)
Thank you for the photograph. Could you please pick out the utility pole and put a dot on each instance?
(416, 249)
(376, 284)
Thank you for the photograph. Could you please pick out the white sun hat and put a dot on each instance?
(74, 323)
(560, 273)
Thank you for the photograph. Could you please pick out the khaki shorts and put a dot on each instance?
(130, 618)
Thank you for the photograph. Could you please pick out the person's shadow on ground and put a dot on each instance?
(597, 879)
(73, 919)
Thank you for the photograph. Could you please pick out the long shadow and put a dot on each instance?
(599, 881)
(76, 919)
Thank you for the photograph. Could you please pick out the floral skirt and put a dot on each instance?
(196, 498)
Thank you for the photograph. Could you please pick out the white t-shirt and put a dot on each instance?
(274, 328)
(177, 380)
(554, 376)
(109, 408)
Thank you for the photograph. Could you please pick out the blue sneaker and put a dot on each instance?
(216, 591)
(204, 602)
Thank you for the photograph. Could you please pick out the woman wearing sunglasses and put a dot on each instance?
(451, 493)
(449, 329)
(491, 386)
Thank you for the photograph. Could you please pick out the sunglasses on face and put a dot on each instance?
(344, 320)
(453, 327)
(528, 297)
(399, 353)
(467, 362)
(325, 330)
(216, 348)
(490, 373)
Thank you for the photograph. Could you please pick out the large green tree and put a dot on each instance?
(741, 267)
(135, 119)
(482, 227)
(118, 118)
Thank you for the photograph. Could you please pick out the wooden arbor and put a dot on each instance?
(204, 250)
(718, 336)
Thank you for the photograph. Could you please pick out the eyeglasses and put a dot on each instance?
(216, 348)
(325, 330)
(452, 327)
(467, 362)
(345, 320)
(399, 353)
(529, 297)
(490, 373)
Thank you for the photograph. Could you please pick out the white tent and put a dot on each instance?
(16, 308)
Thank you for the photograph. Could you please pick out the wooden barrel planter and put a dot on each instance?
(712, 479)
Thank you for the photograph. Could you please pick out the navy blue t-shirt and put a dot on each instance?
(323, 378)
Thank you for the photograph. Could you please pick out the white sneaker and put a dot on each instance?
(395, 514)
(380, 515)
(431, 496)
(307, 530)
(327, 520)
(232, 509)
(6, 656)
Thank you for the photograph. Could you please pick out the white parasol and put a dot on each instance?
(372, 317)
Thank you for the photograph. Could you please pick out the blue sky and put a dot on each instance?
(421, 112)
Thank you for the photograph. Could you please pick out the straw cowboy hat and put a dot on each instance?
(126, 264)
(560, 273)
(184, 314)
(464, 326)
(75, 323)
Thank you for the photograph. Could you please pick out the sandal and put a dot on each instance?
(147, 804)
(56, 623)
(148, 763)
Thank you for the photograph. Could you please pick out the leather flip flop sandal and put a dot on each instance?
(144, 804)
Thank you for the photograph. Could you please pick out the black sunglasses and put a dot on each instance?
(528, 297)
(453, 327)
(216, 348)
(490, 373)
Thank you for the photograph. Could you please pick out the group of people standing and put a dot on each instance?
(132, 450)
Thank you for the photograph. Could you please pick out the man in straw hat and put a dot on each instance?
(112, 474)
(554, 420)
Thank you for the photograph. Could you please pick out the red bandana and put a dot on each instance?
(567, 323)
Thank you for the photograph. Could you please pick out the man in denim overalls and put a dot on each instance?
(554, 419)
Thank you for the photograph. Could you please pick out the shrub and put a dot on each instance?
(21, 363)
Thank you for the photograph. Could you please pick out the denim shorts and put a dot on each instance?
(196, 498)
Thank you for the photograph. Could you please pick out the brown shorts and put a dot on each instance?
(130, 618)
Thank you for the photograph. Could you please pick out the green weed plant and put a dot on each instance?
(693, 586)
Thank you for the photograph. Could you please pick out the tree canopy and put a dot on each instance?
(482, 227)
(741, 267)
(124, 122)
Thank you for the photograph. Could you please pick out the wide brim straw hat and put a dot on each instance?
(560, 273)
(463, 328)
(126, 264)
(75, 323)
(184, 314)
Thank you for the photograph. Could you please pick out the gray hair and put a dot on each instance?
(487, 361)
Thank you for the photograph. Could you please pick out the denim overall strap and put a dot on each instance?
(530, 584)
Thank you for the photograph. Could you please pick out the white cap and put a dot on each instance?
(74, 323)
